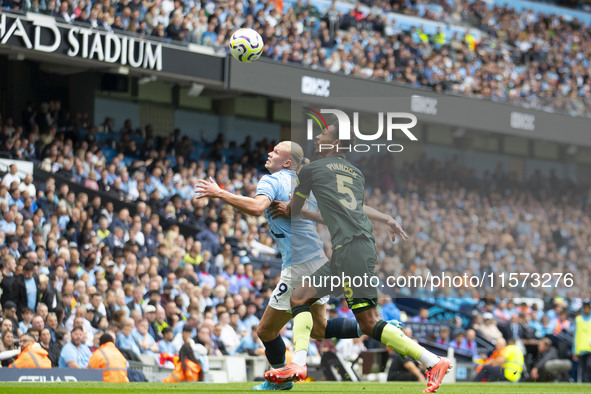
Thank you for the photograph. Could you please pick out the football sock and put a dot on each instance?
(302, 328)
(341, 327)
(300, 357)
(429, 359)
(395, 339)
(275, 352)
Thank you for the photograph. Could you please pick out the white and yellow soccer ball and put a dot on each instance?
(246, 45)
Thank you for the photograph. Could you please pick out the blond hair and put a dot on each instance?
(296, 153)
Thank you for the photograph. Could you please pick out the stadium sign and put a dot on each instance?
(424, 105)
(45, 36)
(275, 79)
(315, 86)
(52, 375)
(523, 121)
(391, 119)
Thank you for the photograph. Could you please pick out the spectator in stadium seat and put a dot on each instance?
(79, 318)
(26, 289)
(194, 257)
(251, 344)
(125, 339)
(25, 323)
(45, 339)
(422, 317)
(32, 354)
(55, 347)
(8, 278)
(108, 358)
(11, 176)
(7, 224)
(137, 300)
(443, 338)
(165, 345)
(63, 14)
(209, 238)
(47, 294)
(150, 315)
(489, 329)
(388, 309)
(145, 341)
(75, 354)
(469, 344)
(37, 325)
(7, 344)
(459, 339)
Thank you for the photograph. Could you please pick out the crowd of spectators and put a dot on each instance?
(541, 61)
(73, 267)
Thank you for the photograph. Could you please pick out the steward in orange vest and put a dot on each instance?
(187, 368)
(108, 358)
(32, 354)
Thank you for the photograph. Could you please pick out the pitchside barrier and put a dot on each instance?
(50, 375)
(234, 369)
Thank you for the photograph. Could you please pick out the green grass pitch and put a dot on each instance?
(313, 387)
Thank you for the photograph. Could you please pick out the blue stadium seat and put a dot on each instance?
(109, 154)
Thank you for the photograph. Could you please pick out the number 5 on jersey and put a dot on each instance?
(341, 188)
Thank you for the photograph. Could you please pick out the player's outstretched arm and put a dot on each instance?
(394, 227)
(251, 206)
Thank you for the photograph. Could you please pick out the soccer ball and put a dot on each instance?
(246, 45)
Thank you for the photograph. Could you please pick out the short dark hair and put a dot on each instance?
(166, 330)
(29, 266)
(105, 338)
(77, 328)
(30, 335)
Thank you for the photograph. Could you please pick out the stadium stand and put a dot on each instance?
(459, 47)
(106, 237)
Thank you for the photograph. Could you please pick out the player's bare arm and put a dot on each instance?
(394, 227)
(282, 209)
(252, 206)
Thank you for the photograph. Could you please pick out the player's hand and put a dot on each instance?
(207, 188)
(280, 209)
(395, 230)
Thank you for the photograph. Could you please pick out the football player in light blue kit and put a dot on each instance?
(298, 260)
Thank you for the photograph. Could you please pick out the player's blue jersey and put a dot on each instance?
(306, 243)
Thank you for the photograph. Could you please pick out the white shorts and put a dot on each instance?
(291, 277)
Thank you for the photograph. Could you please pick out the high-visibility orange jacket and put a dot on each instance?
(111, 361)
(191, 374)
(33, 356)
